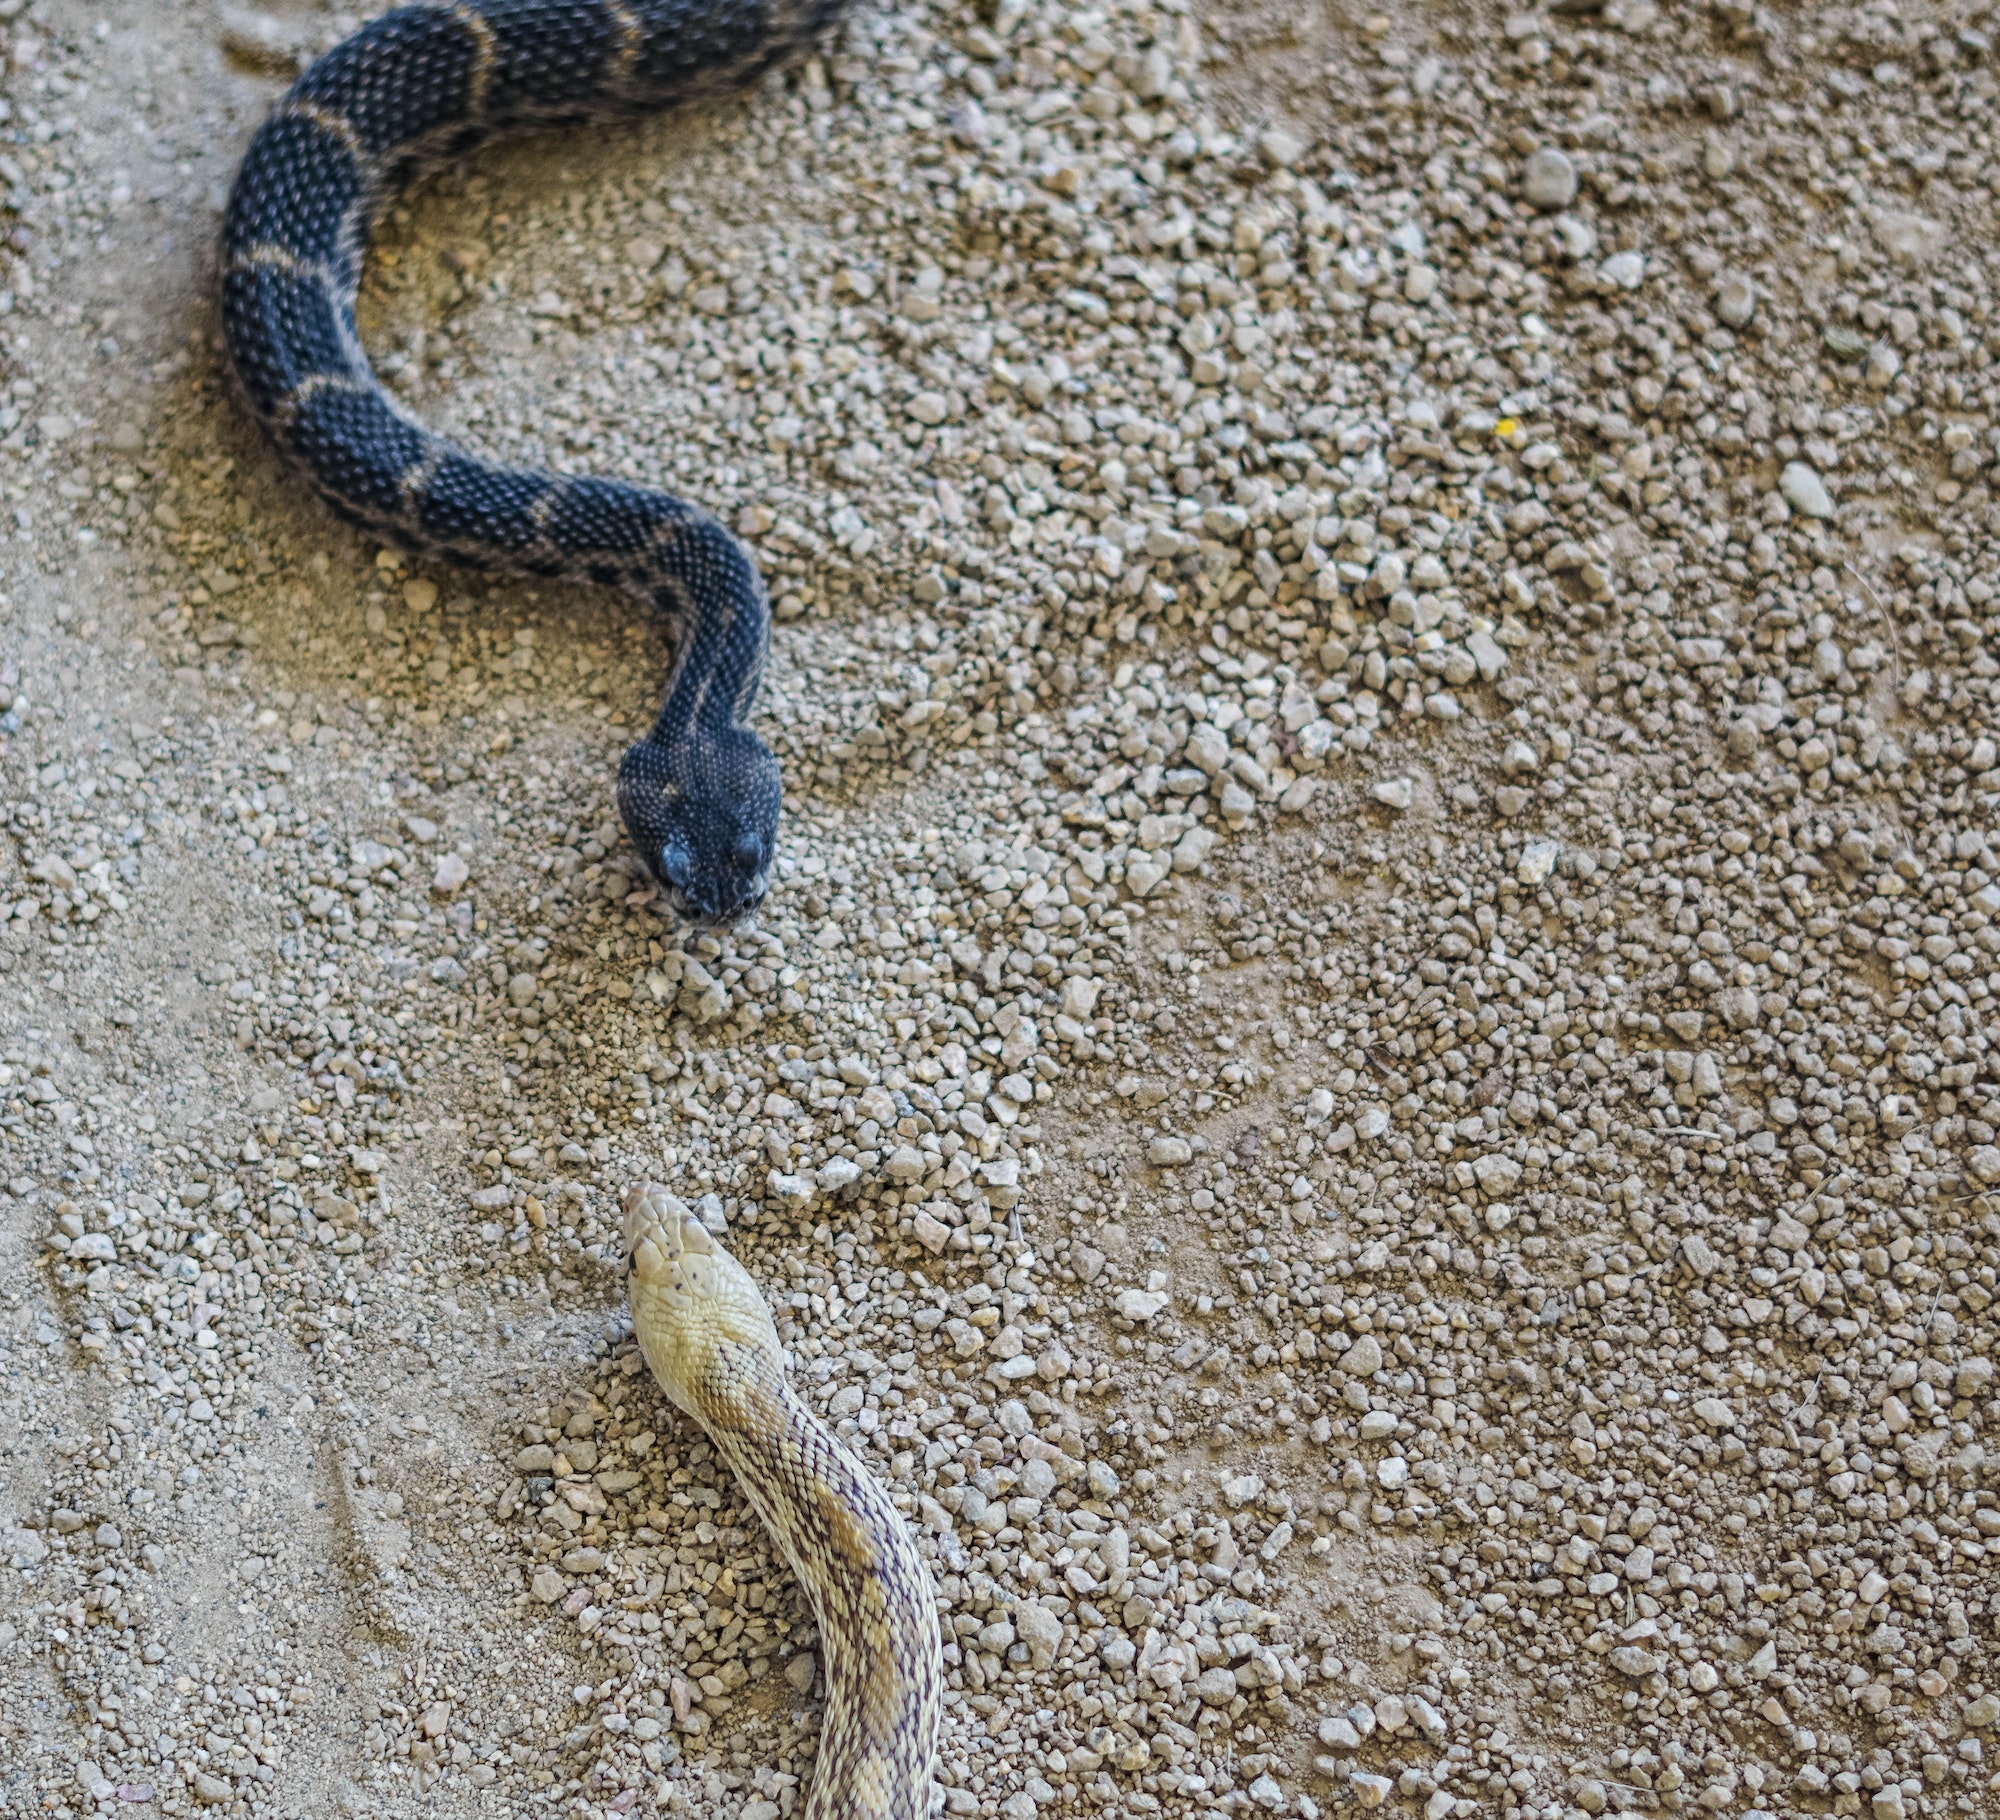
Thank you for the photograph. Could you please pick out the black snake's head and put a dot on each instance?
(705, 817)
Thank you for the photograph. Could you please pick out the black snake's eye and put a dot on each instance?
(749, 851)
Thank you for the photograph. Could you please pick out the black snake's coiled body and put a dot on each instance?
(700, 793)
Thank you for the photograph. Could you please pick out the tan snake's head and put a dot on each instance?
(698, 1316)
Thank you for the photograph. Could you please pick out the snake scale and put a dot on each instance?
(709, 1338)
(699, 793)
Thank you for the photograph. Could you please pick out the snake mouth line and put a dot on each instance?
(714, 921)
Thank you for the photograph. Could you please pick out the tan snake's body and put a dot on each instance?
(711, 1342)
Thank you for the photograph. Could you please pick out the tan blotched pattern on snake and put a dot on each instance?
(710, 1340)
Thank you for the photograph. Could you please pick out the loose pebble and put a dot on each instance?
(1549, 179)
(1804, 491)
(1736, 299)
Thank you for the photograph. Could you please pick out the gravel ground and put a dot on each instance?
(1369, 1084)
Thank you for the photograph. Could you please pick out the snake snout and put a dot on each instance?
(647, 1204)
(702, 808)
(718, 897)
(654, 1212)
(695, 1236)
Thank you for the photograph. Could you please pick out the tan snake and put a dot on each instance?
(711, 1342)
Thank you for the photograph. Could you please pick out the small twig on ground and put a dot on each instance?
(1805, 1403)
(1881, 613)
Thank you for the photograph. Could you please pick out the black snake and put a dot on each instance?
(700, 793)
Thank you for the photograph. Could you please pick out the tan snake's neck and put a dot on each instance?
(710, 1341)
(875, 1604)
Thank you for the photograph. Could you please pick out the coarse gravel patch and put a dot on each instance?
(1367, 1080)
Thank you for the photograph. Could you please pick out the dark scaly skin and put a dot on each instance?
(700, 794)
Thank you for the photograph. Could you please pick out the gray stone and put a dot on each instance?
(1538, 860)
(1193, 848)
(1141, 1305)
(1038, 1479)
(1548, 179)
(1363, 1359)
(1041, 1630)
(1279, 147)
(1266, 1793)
(1496, 1174)
(1627, 270)
(1337, 1732)
(1735, 299)
(838, 1173)
(1804, 491)
(1215, 1686)
(1738, 1007)
(1208, 750)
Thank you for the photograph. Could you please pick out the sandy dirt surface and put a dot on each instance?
(1368, 1083)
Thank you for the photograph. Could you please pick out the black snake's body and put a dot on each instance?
(700, 793)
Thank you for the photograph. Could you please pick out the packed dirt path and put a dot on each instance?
(1369, 1082)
